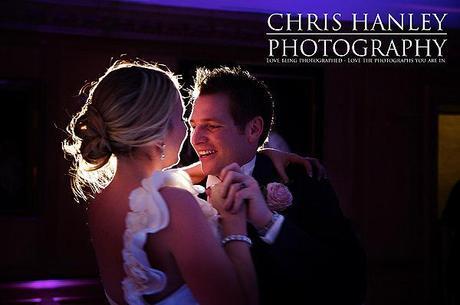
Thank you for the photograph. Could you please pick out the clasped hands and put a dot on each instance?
(239, 195)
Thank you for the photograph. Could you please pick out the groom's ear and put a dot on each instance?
(254, 129)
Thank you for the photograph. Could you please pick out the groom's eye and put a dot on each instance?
(211, 126)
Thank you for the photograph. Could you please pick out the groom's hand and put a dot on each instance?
(239, 189)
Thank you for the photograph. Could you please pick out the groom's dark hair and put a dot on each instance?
(249, 97)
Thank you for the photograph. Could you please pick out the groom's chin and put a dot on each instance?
(204, 168)
(208, 169)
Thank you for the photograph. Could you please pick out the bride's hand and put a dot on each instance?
(281, 160)
(234, 219)
(241, 191)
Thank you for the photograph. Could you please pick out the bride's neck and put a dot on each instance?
(137, 168)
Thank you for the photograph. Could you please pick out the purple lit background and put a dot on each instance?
(51, 292)
(451, 7)
(373, 126)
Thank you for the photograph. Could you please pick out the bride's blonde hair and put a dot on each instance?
(126, 108)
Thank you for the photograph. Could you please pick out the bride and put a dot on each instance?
(155, 240)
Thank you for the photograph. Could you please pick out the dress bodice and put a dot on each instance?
(149, 214)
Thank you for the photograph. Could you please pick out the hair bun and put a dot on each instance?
(95, 147)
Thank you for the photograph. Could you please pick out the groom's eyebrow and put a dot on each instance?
(206, 120)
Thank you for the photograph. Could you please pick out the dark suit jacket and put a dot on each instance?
(316, 257)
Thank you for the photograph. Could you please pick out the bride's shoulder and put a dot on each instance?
(185, 213)
(179, 200)
(173, 194)
(169, 192)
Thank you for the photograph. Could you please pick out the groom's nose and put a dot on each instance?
(199, 136)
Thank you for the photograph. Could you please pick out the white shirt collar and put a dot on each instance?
(247, 169)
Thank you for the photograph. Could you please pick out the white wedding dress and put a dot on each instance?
(149, 214)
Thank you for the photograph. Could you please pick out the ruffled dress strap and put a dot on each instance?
(149, 214)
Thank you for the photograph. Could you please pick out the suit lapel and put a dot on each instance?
(265, 173)
(264, 170)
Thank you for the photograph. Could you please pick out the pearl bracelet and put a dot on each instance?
(236, 237)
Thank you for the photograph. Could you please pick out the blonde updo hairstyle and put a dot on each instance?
(128, 107)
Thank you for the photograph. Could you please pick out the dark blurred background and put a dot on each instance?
(389, 135)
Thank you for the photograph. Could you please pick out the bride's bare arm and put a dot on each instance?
(246, 274)
(195, 172)
(212, 272)
(282, 159)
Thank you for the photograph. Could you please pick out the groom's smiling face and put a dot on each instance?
(216, 138)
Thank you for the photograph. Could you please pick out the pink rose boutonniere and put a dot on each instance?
(278, 196)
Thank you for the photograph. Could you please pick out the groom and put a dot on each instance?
(307, 251)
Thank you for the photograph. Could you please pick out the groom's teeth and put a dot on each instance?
(204, 153)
